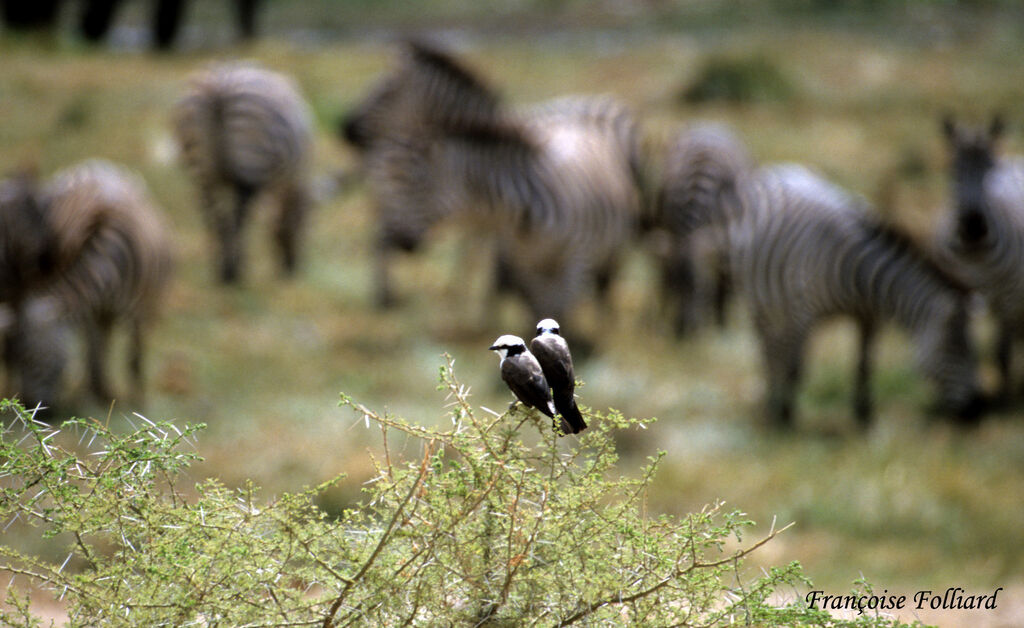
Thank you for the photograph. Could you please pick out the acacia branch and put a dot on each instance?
(329, 619)
(593, 606)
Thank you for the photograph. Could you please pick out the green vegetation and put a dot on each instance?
(739, 80)
(913, 503)
(497, 522)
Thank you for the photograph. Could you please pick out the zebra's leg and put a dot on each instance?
(167, 17)
(9, 356)
(291, 218)
(136, 350)
(862, 406)
(783, 356)
(96, 19)
(230, 232)
(603, 278)
(384, 296)
(1004, 359)
(723, 290)
(97, 344)
(684, 284)
(502, 283)
(246, 13)
(217, 215)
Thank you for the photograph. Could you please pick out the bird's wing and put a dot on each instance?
(523, 375)
(555, 360)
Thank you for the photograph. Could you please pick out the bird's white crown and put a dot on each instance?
(548, 325)
(506, 342)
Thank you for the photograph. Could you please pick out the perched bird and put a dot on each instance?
(552, 353)
(524, 377)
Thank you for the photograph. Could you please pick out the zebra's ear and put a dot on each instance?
(996, 127)
(426, 53)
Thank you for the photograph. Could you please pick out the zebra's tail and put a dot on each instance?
(217, 133)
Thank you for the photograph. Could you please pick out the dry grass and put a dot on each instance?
(912, 504)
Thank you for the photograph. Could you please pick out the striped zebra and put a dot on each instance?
(25, 248)
(803, 250)
(33, 357)
(984, 232)
(555, 186)
(245, 132)
(35, 353)
(699, 160)
(109, 261)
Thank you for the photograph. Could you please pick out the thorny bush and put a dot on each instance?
(495, 521)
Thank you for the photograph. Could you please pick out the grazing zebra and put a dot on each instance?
(555, 186)
(699, 161)
(803, 250)
(25, 248)
(984, 233)
(109, 261)
(33, 357)
(35, 353)
(246, 132)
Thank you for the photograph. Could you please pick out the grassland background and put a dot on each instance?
(912, 504)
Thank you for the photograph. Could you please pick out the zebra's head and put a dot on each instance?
(376, 116)
(26, 251)
(429, 92)
(973, 156)
(946, 353)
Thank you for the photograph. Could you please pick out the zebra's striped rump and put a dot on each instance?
(700, 162)
(245, 132)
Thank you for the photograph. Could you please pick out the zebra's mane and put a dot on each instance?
(903, 244)
(432, 59)
(464, 106)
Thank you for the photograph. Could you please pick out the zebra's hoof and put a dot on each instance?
(971, 411)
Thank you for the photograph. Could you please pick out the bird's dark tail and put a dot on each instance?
(563, 426)
(572, 418)
(551, 410)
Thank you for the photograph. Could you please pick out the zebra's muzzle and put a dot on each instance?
(972, 228)
(353, 132)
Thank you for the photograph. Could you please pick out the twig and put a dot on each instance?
(593, 606)
(329, 619)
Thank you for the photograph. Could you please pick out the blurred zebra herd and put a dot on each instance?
(562, 189)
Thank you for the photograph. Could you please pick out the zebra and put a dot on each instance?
(555, 186)
(33, 356)
(804, 250)
(245, 132)
(25, 245)
(699, 160)
(984, 233)
(109, 262)
(35, 353)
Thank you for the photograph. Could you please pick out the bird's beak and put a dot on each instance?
(493, 348)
